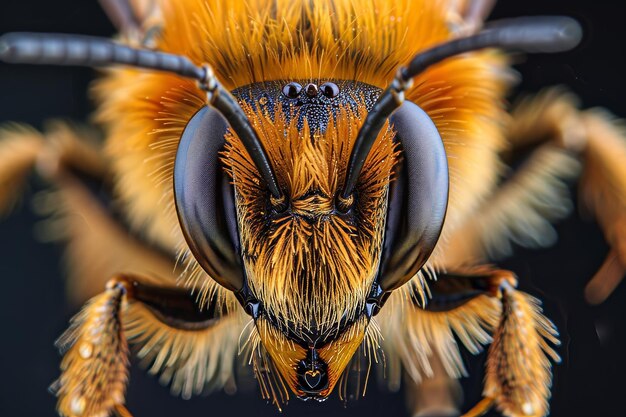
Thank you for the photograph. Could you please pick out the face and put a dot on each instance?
(309, 265)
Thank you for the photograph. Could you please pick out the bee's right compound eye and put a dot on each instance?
(414, 223)
(292, 90)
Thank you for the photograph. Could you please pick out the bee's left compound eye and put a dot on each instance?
(205, 200)
(330, 90)
(292, 90)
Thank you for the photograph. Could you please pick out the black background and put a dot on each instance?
(590, 380)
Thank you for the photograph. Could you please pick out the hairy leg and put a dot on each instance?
(518, 369)
(97, 242)
(80, 207)
(23, 148)
(563, 143)
(599, 141)
(190, 346)
(173, 336)
(423, 335)
(477, 305)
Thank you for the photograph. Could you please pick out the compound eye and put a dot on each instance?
(330, 90)
(292, 90)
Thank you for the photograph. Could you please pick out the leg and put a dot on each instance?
(547, 129)
(22, 148)
(79, 207)
(564, 142)
(599, 141)
(518, 375)
(190, 345)
(463, 307)
(603, 190)
(97, 243)
(470, 304)
(521, 210)
(94, 368)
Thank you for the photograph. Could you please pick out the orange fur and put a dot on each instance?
(296, 259)
(520, 212)
(194, 362)
(97, 247)
(416, 335)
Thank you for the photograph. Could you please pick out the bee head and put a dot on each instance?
(314, 235)
(310, 267)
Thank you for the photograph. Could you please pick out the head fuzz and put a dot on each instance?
(311, 265)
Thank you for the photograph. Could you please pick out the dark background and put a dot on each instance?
(589, 381)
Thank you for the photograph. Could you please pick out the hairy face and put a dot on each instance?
(311, 266)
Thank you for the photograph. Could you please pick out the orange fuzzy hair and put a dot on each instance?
(251, 40)
(310, 253)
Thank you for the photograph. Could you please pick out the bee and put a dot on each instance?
(308, 188)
